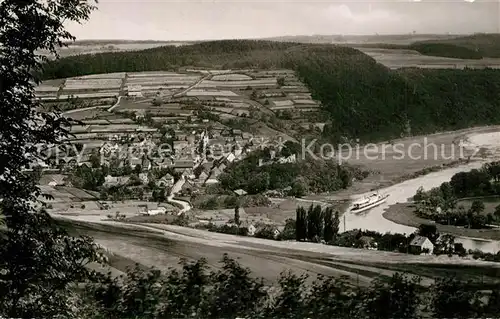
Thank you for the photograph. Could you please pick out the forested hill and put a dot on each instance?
(485, 45)
(365, 100)
(477, 46)
(213, 54)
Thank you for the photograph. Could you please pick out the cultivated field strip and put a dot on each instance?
(46, 89)
(210, 93)
(153, 74)
(231, 77)
(243, 84)
(77, 84)
(395, 59)
(64, 97)
(118, 75)
(181, 77)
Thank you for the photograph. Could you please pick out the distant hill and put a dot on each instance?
(394, 39)
(484, 45)
(475, 46)
(118, 41)
(364, 99)
(101, 46)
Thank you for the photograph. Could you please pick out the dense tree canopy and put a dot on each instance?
(441, 203)
(302, 177)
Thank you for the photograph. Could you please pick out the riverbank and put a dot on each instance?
(371, 184)
(403, 214)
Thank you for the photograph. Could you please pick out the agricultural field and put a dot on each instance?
(102, 46)
(229, 94)
(91, 84)
(399, 58)
(86, 93)
(210, 93)
(276, 214)
(105, 103)
(151, 83)
(231, 77)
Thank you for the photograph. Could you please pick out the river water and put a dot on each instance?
(400, 193)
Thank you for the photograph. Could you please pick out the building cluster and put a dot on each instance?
(198, 156)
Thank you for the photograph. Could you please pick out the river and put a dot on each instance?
(399, 193)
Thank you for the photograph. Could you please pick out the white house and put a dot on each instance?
(290, 159)
(165, 181)
(421, 245)
(276, 232)
(158, 211)
(251, 230)
(231, 157)
(134, 90)
(110, 181)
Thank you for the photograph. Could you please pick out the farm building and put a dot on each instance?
(158, 211)
(421, 245)
(134, 90)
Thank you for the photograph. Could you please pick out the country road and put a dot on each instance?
(116, 104)
(192, 86)
(174, 191)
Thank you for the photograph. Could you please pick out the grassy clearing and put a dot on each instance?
(404, 214)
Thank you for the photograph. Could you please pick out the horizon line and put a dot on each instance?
(286, 36)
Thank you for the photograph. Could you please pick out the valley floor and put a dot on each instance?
(163, 246)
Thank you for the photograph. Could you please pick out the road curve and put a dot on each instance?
(116, 104)
(176, 189)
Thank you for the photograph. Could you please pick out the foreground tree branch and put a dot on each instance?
(38, 260)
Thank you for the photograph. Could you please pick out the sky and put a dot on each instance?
(230, 19)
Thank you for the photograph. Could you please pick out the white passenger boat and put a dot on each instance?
(368, 202)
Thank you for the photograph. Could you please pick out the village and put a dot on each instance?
(151, 147)
(145, 143)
